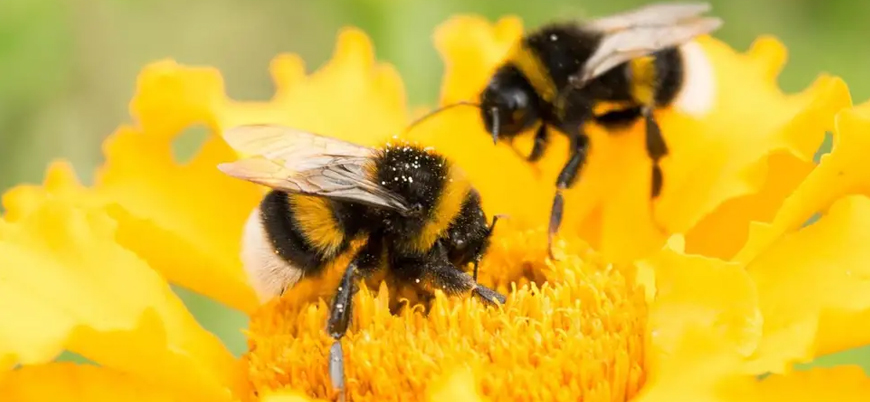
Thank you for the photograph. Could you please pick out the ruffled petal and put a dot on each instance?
(724, 232)
(184, 219)
(62, 382)
(66, 284)
(694, 291)
(843, 171)
(844, 383)
(704, 320)
(718, 152)
(191, 240)
(814, 288)
(699, 368)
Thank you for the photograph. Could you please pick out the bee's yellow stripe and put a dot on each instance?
(604, 107)
(446, 209)
(643, 79)
(528, 62)
(318, 224)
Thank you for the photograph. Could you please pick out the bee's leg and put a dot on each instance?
(434, 271)
(540, 146)
(567, 177)
(656, 148)
(340, 311)
(441, 274)
(339, 319)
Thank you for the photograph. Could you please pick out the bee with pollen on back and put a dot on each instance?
(417, 213)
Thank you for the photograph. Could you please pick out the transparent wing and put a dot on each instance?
(659, 14)
(296, 161)
(642, 32)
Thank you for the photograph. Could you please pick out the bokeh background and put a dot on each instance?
(68, 67)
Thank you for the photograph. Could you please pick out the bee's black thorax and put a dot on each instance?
(418, 176)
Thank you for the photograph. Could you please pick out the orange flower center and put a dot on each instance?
(571, 330)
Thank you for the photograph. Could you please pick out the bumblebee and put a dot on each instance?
(612, 71)
(418, 215)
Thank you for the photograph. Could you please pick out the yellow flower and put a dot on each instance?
(734, 288)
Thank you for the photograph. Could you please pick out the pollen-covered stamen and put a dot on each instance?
(577, 337)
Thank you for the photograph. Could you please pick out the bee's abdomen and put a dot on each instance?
(669, 73)
(300, 229)
(269, 271)
(290, 236)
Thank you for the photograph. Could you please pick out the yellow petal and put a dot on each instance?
(717, 154)
(61, 382)
(722, 233)
(704, 320)
(699, 292)
(170, 97)
(184, 219)
(838, 384)
(712, 378)
(814, 288)
(192, 240)
(60, 181)
(66, 284)
(842, 171)
(699, 368)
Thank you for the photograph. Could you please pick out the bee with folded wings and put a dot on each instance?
(612, 71)
(420, 218)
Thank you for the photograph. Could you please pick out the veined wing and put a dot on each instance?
(297, 161)
(642, 32)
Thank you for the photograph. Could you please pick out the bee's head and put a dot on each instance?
(468, 241)
(509, 104)
(468, 237)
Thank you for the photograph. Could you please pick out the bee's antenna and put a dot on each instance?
(439, 110)
(494, 128)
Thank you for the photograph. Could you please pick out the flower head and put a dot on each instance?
(719, 283)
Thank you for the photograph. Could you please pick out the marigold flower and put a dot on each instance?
(734, 287)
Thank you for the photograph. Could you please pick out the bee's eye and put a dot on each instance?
(509, 106)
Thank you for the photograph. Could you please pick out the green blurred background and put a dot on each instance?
(67, 68)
